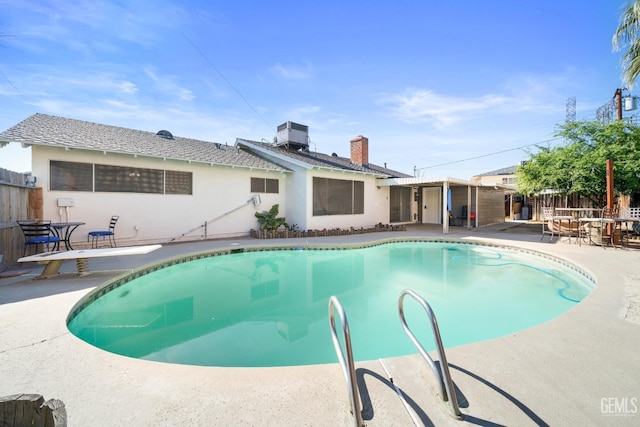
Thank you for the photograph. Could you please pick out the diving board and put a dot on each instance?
(53, 260)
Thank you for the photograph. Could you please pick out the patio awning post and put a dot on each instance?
(610, 191)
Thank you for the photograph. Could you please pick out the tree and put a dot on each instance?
(626, 36)
(580, 165)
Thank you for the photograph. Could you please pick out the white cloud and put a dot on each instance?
(316, 117)
(126, 87)
(35, 83)
(536, 95)
(104, 82)
(292, 72)
(168, 84)
(540, 93)
(426, 106)
(303, 110)
(211, 126)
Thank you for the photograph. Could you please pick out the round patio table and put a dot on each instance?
(63, 230)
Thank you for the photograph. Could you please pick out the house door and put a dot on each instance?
(431, 205)
(400, 204)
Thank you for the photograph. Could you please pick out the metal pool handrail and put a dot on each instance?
(443, 377)
(348, 366)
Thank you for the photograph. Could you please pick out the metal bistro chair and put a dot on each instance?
(586, 227)
(608, 226)
(110, 233)
(36, 233)
(625, 226)
(547, 221)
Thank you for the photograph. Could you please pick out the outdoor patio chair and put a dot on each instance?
(95, 235)
(547, 217)
(38, 232)
(462, 219)
(609, 226)
(628, 224)
(588, 227)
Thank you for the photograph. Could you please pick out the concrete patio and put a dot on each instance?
(578, 369)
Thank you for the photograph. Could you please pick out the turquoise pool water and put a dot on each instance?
(269, 308)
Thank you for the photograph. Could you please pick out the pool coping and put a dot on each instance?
(576, 369)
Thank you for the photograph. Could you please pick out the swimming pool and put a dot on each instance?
(269, 307)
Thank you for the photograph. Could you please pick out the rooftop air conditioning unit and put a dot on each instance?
(293, 135)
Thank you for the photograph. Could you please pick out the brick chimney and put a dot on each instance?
(360, 150)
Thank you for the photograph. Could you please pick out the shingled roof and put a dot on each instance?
(510, 170)
(54, 131)
(319, 160)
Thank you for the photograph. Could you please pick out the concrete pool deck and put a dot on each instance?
(581, 368)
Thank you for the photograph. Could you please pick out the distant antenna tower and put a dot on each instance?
(604, 114)
(571, 109)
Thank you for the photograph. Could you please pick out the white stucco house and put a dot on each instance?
(168, 188)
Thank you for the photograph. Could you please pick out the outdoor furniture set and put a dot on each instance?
(45, 234)
(49, 234)
(596, 226)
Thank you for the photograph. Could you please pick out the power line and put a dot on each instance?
(487, 155)
(7, 78)
(201, 53)
(12, 85)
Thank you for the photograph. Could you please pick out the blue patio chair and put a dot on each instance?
(38, 232)
(95, 235)
(462, 219)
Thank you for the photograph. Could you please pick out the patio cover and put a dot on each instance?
(446, 183)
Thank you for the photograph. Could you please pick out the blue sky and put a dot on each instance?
(431, 83)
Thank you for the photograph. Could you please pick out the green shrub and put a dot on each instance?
(269, 220)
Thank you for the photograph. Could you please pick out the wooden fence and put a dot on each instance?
(17, 201)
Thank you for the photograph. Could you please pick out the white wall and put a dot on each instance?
(299, 196)
(296, 195)
(376, 203)
(216, 191)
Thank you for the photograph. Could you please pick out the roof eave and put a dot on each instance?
(389, 182)
(163, 158)
(343, 170)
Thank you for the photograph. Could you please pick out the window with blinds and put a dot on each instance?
(176, 182)
(71, 176)
(119, 179)
(264, 185)
(337, 197)
(74, 176)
